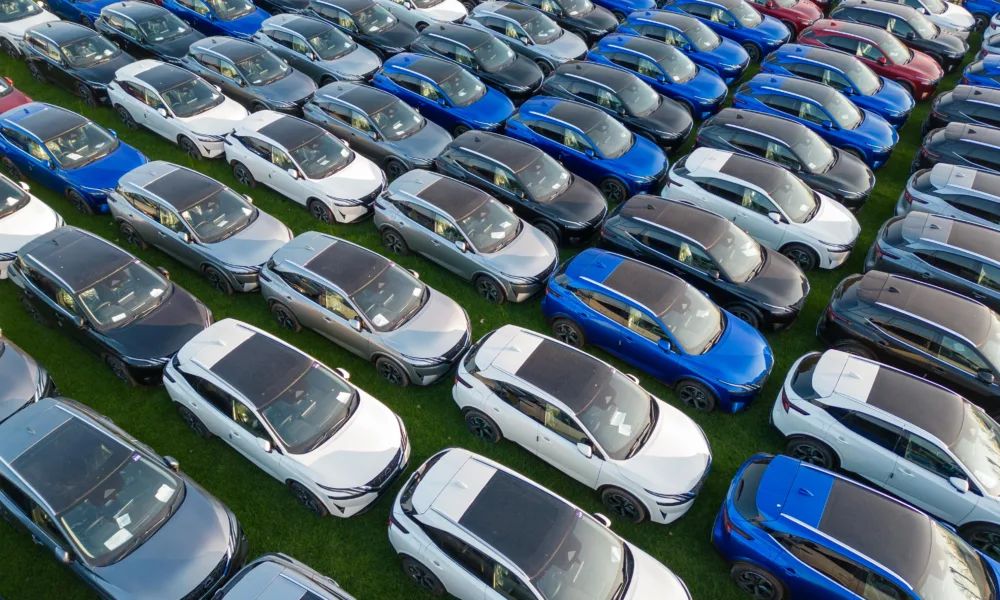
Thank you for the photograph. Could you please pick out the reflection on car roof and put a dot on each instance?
(647, 285)
(78, 258)
(183, 188)
(261, 368)
(571, 376)
(164, 77)
(291, 133)
(455, 198)
(704, 227)
(51, 122)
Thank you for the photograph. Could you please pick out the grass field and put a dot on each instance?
(356, 552)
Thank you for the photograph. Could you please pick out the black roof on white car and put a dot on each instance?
(934, 409)
(564, 373)
(261, 368)
(291, 133)
(164, 77)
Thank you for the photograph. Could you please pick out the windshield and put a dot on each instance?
(953, 569)
(544, 178)
(897, 52)
(263, 69)
(577, 8)
(541, 29)
(227, 10)
(863, 78)
(462, 88)
(398, 121)
(590, 563)
(493, 55)
(12, 197)
(618, 415)
(311, 410)
(322, 156)
(978, 448)
(163, 27)
(191, 98)
(990, 347)
(745, 14)
(490, 227)
(702, 36)
(795, 198)
(694, 322)
(814, 152)
(786, 3)
(611, 137)
(923, 26)
(639, 98)
(81, 146)
(739, 255)
(426, 3)
(391, 298)
(220, 216)
(90, 51)
(125, 295)
(15, 10)
(678, 67)
(935, 7)
(374, 19)
(332, 44)
(843, 110)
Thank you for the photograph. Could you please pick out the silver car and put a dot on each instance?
(959, 192)
(367, 304)
(197, 220)
(280, 577)
(468, 232)
(529, 32)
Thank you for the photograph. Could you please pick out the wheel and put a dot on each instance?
(326, 80)
(545, 67)
(36, 73)
(78, 202)
(791, 30)
(394, 169)
(908, 87)
(483, 427)
(623, 505)
(801, 255)
(812, 451)
(126, 117)
(549, 230)
(33, 312)
(753, 51)
(568, 332)
(130, 235)
(854, 348)
(307, 499)
(257, 107)
(192, 421)
(469, 5)
(757, 582)
(982, 21)
(695, 395)
(190, 148)
(422, 576)
(85, 21)
(285, 317)
(243, 175)
(218, 281)
(614, 191)
(489, 290)
(746, 313)
(421, 26)
(619, 16)
(119, 370)
(86, 95)
(459, 130)
(320, 211)
(9, 48)
(937, 58)
(394, 242)
(855, 152)
(392, 372)
(984, 537)
(12, 170)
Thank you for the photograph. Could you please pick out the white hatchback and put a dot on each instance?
(23, 217)
(20, 16)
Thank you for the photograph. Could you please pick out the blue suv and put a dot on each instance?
(591, 144)
(824, 110)
(985, 73)
(85, 13)
(65, 152)
(659, 323)
(235, 18)
(444, 92)
(982, 11)
(738, 21)
(666, 69)
(794, 530)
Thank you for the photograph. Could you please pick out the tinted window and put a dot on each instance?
(925, 454)
(874, 430)
(824, 560)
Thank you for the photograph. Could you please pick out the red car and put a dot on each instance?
(880, 50)
(795, 14)
(10, 97)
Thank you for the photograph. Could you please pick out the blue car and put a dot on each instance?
(621, 8)
(848, 75)
(661, 324)
(982, 11)
(702, 45)
(444, 92)
(793, 530)
(738, 21)
(78, 11)
(985, 73)
(65, 152)
(591, 144)
(824, 110)
(666, 69)
(235, 18)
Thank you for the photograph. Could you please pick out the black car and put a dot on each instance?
(926, 330)
(541, 191)
(368, 22)
(909, 25)
(116, 306)
(277, 7)
(484, 56)
(147, 30)
(838, 174)
(624, 96)
(74, 57)
(976, 146)
(22, 380)
(582, 17)
(760, 286)
(964, 104)
(249, 74)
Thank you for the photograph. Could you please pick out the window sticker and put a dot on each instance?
(417, 292)
(380, 320)
(119, 538)
(618, 418)
(11, 201)
(497, 235)
(701, 314)
(156, 292)
(164, 493)
(118, 317)
(123, 521)
(625, 429)
(343, 397)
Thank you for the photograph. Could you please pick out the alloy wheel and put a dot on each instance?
(488, 290)
(612, 191)
(86, 96)
(320, 212)
(284, 318)
(394, 170)
(800, 257)
(568, 334)
(481, 428)
(392, 242)
(694, 397)
(756, 585)
(243, 175)
(126, 118)
(810, 454)
(987, 542)
(217, 281)
(390, 372)
(421, 577)
(622, 506)
(9, 49)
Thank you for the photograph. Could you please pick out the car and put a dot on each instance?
(84, 13)
(424, 13)
(963, 104)
(146, 30)
(590, 22)
(705, 47)
(10, 96)
(465, 230)
(249, 74)
(529, 32)
(990, 45)
(334, 446)
(65, 152)
(959, 192)
(795, 15)
(833, 537)
(739, 21)
(566, 208)
(753, 283)
(626, 98)
(990, 25)
(233, 18)
(485, 56)
(73, 57)
(982, 73)
(847, 74)
(306, 164)
(19, 16)
(949, 16)
(659, 323)
(518, 537)
(839, 411)
(666, 69)
(823, 109)
(23, 217)
(317, 48)
(918, 73)
(444, 92)
(199, 222)
(176, 104)
(123, 518)
(117, 307)
(24, 380)
(279, 574)
(909, 26)
(592, 144)
(368, 23)
(835, 173)
(276, 7)
(962, 144)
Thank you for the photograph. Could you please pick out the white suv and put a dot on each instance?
(334, 446)
(470, 527)
(768, 202)
(913, 438)
(23, 217)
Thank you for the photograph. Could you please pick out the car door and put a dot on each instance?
(142, 214)
(244, 434)
(416, 226)
(337, 312)
(195, 13)
(909, 344)
(462, 569)
(258, 157)
(754, 217)
(58, 68)
(212, 405)
(866, 444)
(645, 345)
(444, 249)
(921, 477)
(963, 368)
(150, 104)
(517, 412)
(279, 176)
(32, 159)
(173, 237)
(813, 571)
(558, 437)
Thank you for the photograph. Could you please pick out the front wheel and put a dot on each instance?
(86, 95)
(190, 148)
(79, 202)
(753, 51)
(758, 582)
(746, 313)
(218, 281)
(619, 16)
(392, 372)
(119, 370)
(906, 85)
(307, 499)
(489, 290)
(802, 256)
(545, 67)
(459, 130)
(320, 211)
(793, 32)
(549, 230)
(614, 191)
(696, 396)
(982, 21)
(9, 49)
(394, 169)
(984, 537)
(623, 505)
(568, 332)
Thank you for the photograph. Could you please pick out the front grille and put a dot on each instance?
(387, 473)
(454, 352)
(208, 584)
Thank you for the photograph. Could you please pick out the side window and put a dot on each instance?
(696, 257)
(301, 285)
(228, 69)
(806, 71)
(928, 456)
(988, 114)
(245, 417)
(261, 149)
(986, 158)
(406, 82)
(874, 430)
(726, 190)
(749, 142)
(623, 59)
(986, 210)
(835, 80)
(756, 201)
(897, 25)
(131, 30)
(960, 266)
(429, 90)
(341, 113)
(662, 242)
(495, 24)
(417, 214)
(476, 166)
(345, 20)
(15, 495)
(849, 45)
(465, 555)
(827, 562)
(299, 45)
(563, 424)
(68, 302)
(280, 37)
(641, 323)
(609, 307)
(699, 10)
(43, 520)
(990, 277)
(547, 130)
(812, 113)
(876, 587)
(503, 178)
(170, 220)
(281, 159)
(780, 154)
(784, 104)
(336, 304)
(521, 400)
(509, 585)
(15, 138)
(215, 396)
(463, 56)
(960, 355)
(868, 50)
(574, 140)
(913, 333)
(445, 229)
(143, 205)
(208, 61)
(52, 51)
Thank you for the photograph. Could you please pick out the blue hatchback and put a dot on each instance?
(65, 152)
(738, 21)
(982, 10)
(77, 11)
(444, 92)
(794, 530)
(621, 8)
(659, 323)
(824, 110)
(846, 74)
(591, 144)
(235, 18)
(666, 69)
(985, 73)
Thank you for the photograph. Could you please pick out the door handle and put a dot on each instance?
(842, 440)
(328, 319)
(37, 541)
(881, 344)
(978, 295)
(288, 297)
(926, 275)
(906, 472)
(545, 439)
(233, 435)
(495, 409)
(435, 242)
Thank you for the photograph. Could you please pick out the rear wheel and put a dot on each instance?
(394, 242)
(422, 576)
(623, 505)
(854, 348)
(192, 421)
(392, 372)
(812, 451)
(695, 395)
(482, 427)
(285, 317)
(243, 175)
(758, 582)
(801, 255)
(307, 499)
(568, 332)
(78, 202)
(86, 22)
(130, 235)
(753, 51)
(489, 290)
(126, 117)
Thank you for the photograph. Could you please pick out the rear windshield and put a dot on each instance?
(802, 381)
(922, 181)
(745, 498)
(894, 231)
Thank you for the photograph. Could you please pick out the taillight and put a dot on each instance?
(928, 153)
(880, 253)
(835, 317)
(606, 233)
(727, 524)
(787, 404)
(458, 379)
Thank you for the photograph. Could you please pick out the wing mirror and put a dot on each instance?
(603, 520)
(113, 132)
(414, 273)
(687, 47)
(585, 449)
(25, 186)
(769, 4)
(293, 173)
(525, 40)
(775, 217)
(441, 101)
(714, 274)
(408, 4)
(217, 88)
(265, 445)
(172, 463)
(882, 60)
(311, 56)
(986, 376)
(828, 125)
(356, 325)
(732, 24)
(248, 198)
(342, 373)
(51, 165)
(590, 153)
(665, 345)
(162, 112)
(62, 555)
(661, 78)
(79, 322)
(961, 484)
(162, 271)
(909, 35)
(186, 237)
(461, 245)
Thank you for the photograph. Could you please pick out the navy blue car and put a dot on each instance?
(235, 18)
(737, 20)
(984, 73)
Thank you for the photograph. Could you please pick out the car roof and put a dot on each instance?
(941, 229)
(351, 6)
(302, 24)
(870, 32)
(751, 120)
(511, 10)
(576, 114)
(365, 98)
(648, 286)
(179, 187)
(136, 11)
(232, 48)
(470, 37)
(513, 154)
(665, 17)
(63, 32)
(900, 10)
(435, 69)
(703, 226)
(656, 50)
(76, 257)
(161, 77)
(826, 57)
(456, 199)
(978, 134)
(45, 121)
(611, 77)
(798, 86)
(291, 133)
(268, 579)
(572, 377)
(261, 368)
(765, 175)
(976, 94)
(347, 266)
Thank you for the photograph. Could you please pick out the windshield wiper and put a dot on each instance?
(644, 435)
(715, 340)
(626, 575)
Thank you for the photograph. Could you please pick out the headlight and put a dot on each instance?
(741, 388)
(343, 201)
(204, 137)
(672, 499)
(96, 192)
(242, 269)
(420, 361)
(8, 256)
(345, 493)
(836, 247)
(41, 383)
(778, 309)
(146, 363)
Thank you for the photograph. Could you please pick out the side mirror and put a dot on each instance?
(632, 378)
(986, 376)
(909, 35)
(959, 483)
(441, 101)
(461, 245)
(602, 520)
(62, 555)
(665, 345)
(585, 449)
(342, 373)
(162, 112)
(526, 40)
(714, 274)
(882, 60)
(414, 273)
(113, 132)
(407, 4)
(217, 88)
(242, 82)
(79, 321)
(847, 91)
(356, 325)
(732, 24)
(311, 56)
(775, 217)
(769, 4)
(265, 445)
(687, 47)
(165, 273)
(186, 237)
(293, 173)
(51, 165)
(248, 198)
(828, 125)
(172, 463)
(25, 186)
(590, 153)
(661, 78)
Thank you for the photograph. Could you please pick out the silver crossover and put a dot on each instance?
(368, 304)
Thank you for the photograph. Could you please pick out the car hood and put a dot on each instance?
(292, 88)
(16, 29)
(13, 99)
(599, 19)
(178, 47)
(849, 173)
(449, 10)
(358, 62)
(674, 458)
(219, 120)
(893, 97)
(707, 84)
(730, 53)
(643, 159)
(566, 47)
(741, 356)
(579, 204)
(253, 246)
(779, 283)
(670, 117)
(436, 328)
(493, 108)
(244, 26)
(806, 10)
(523, 72)
(957, 16)
(399, 36)
(103, 174)
(950, 43)
(103, 73)
(161, 333)
(923, 67)
(25, 225)
(425, 144)
(772, 29)
(19, 374)
(653, 581)
(875, 130)
(528, 255)
(354, 181)
(833, 223)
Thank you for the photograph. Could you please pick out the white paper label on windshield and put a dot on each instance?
(164, 493)
(156, 292)
(380, 320)
(344, 397)
(701, 314)
(505, 224)
(108, 52)
(119, 538)
(749, 251)
(417, 292)
(124, 521)
(616, 554)
(11, 201)
(497, 235)
(118, 317)
(812, 165)
(625, 429)
(159, 39)
(618, 418)
(73, 156)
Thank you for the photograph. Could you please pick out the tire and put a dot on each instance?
(85, 21)
(193, 422)
(86, 95)
(243, 175)
(389, 370)
(469, 5)
(12, 170)
(792, 30)
(545, 67)
(130, 235)
(984, 537)
(801, 255)
(758, 582)
(613, 190)
(746, 313)
(908, 87)
(10, 49)
(218, 281)
(257, 107)
(37, 73)
(422, 576)
(33, 312)
(421, 26)
(482, 427)
(320, 211)
(623, 505)
(78, 202)
(307, 499)
(285, 317)
(937, 58)
(326, 80)
(489, 290)
(569, 332)
(982, 21)
(813, 452)
(119, 370)
(855, 152)
(189, 148)
(549, 230)
(753, 51)
(393, 241)
(394, 169)
(854, 348)
(695, 395)
(126, 117)
(619, 16)
(459, 130)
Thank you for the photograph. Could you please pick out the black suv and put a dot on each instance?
(975, 146)
(541, 191)
(964, 104)
(368, 23)
(838, 174)
(926, 330)
(147, 30)
(22, 380)
(582, 17)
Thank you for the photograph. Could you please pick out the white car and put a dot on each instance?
(175, 103)
(945, 14)
(768, 202)
(476, 530)
(585, 418)
(305, 163)
(23, 217)
(913, 438)
(421, 13)
(20, 16)
(334, 446)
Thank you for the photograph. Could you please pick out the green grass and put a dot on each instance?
(356, 551)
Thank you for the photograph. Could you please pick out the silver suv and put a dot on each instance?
(960, 192)
(468, 232)
(368, 304)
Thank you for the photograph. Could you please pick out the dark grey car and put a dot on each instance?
(22, 380)
(529, 32)
(280, 577)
